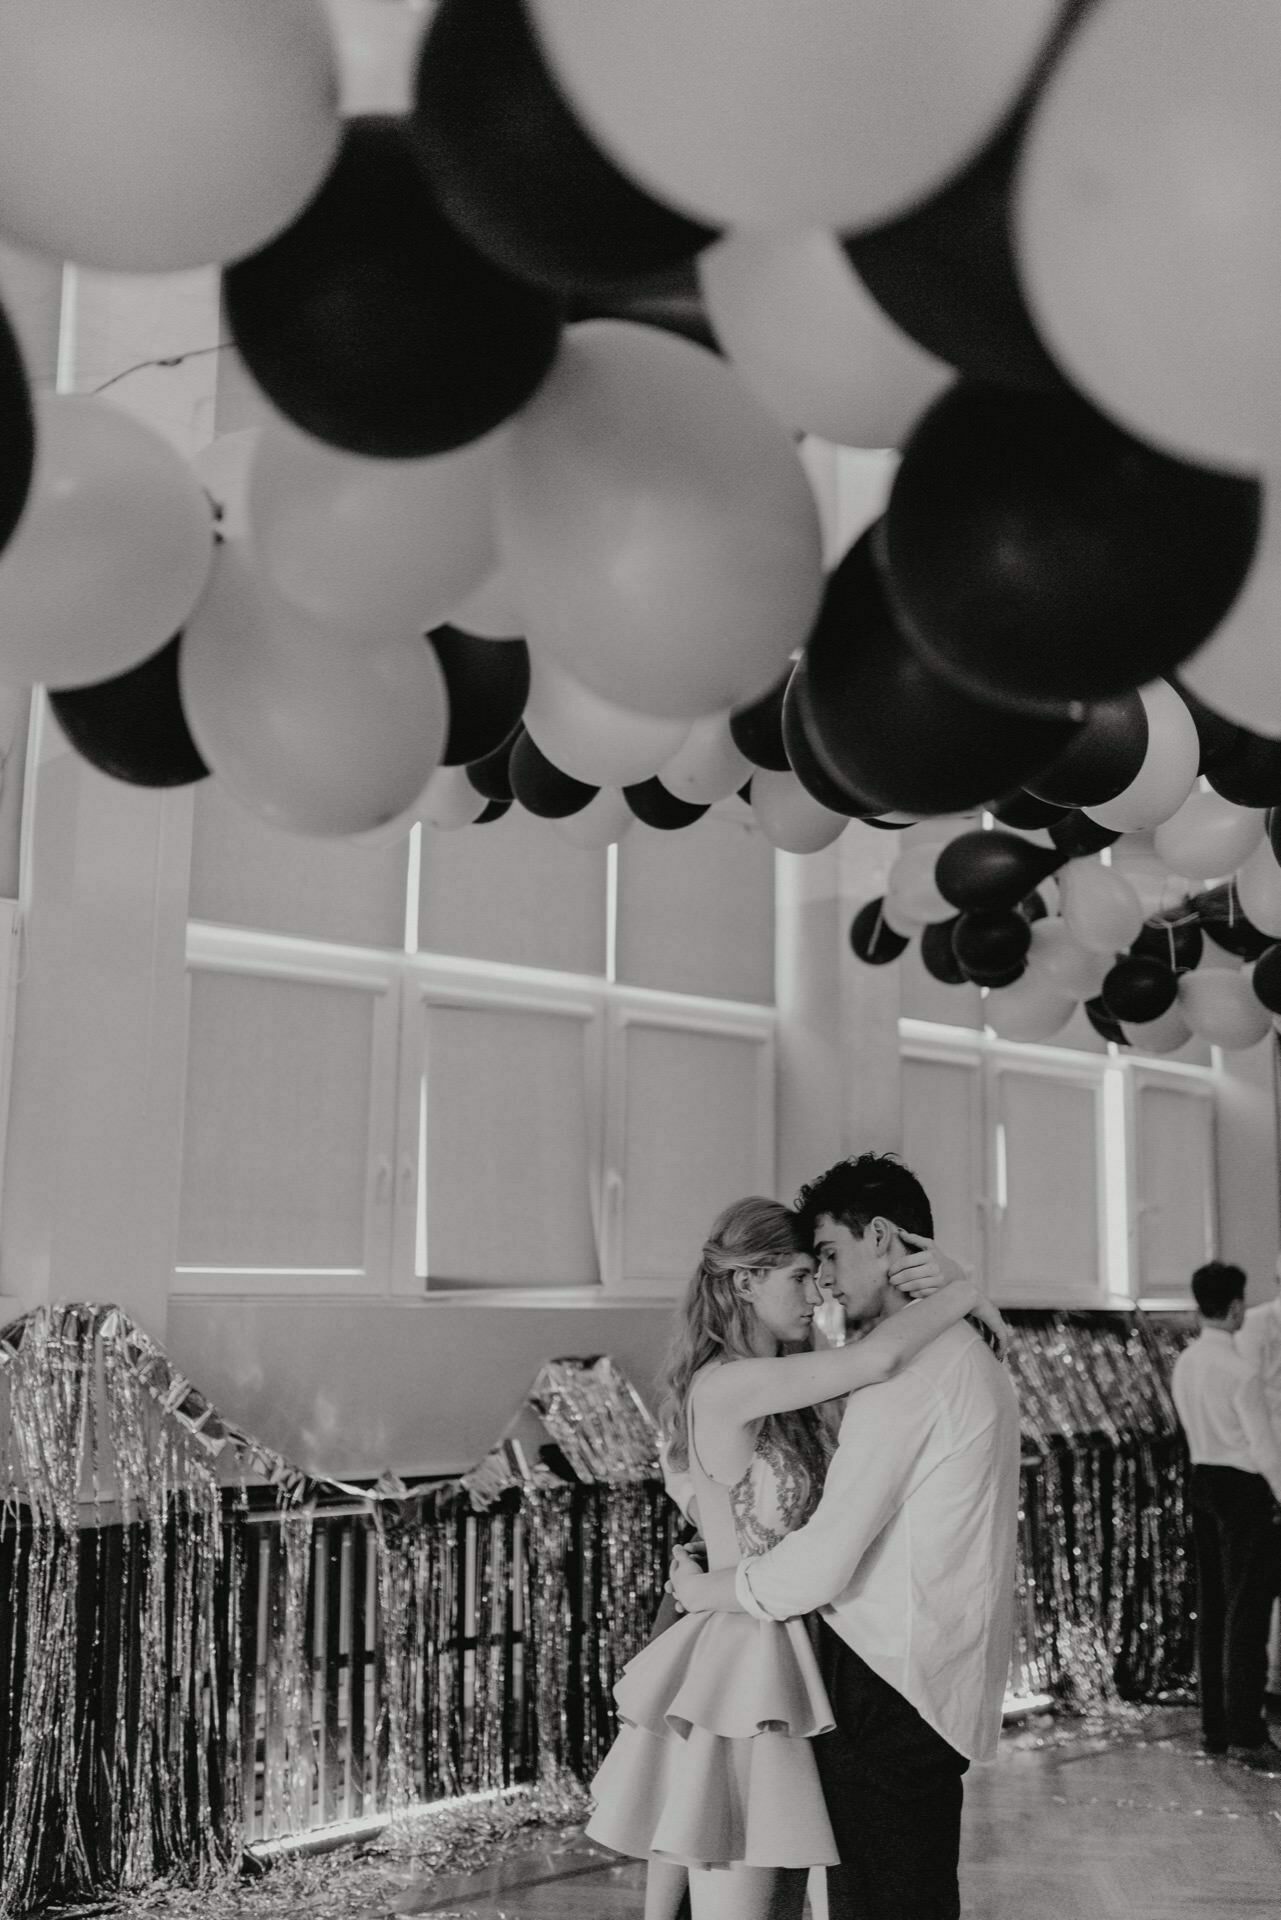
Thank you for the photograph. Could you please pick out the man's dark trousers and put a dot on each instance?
(893, 1792)
(1236, 1552)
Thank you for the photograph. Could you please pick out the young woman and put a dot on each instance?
(712, 1770)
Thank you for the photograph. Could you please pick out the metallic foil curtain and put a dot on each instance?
(170, 1645)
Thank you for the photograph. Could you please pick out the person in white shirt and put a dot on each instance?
(1236, 1481)
(909, 1560)
(1259, 1340)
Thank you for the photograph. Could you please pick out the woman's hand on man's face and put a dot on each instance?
(920, 1267)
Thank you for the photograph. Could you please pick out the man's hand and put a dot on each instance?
(686, 1581)
(922, 1267)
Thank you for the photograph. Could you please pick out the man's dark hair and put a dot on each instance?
(1216, 1286)
(856, 1192)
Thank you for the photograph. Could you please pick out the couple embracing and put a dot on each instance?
(844, 1657)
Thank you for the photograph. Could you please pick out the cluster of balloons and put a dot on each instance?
(1025, 910)
(506, 541)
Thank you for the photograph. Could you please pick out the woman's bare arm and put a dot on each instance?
(747, 1390)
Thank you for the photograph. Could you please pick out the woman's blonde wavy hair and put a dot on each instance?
(714, 1322)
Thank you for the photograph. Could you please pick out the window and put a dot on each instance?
(485, 1059)
(1066, 1177)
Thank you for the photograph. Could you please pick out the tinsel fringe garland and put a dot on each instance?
(172, 1674)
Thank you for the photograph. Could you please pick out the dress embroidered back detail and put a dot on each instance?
(777, 1494)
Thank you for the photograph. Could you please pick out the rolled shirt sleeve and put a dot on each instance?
(885, 1436)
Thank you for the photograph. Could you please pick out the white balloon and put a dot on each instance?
(790, 818)
(658, 524)
(490, 611)
(810, 341)
(450, 801)
(1060, 960)
(223, 469)
(1101, 910)
(313, 733)
(1160, 891)
(591, 738)
(708, 767)
(752, 113)
(1169, 769)
(1259, 890)
(601, 823)
(1238, 670)
(1166, 1034)
(149, 136)
(1145, 222)
(912, 889)
(1029, 1009)
(1208, 837)
(372, 543)
(899, 921)
(111, 552)
(1220, 1006)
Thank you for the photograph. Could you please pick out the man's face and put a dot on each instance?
(852, 1268)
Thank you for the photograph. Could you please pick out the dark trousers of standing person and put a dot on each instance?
(1236, 1553)
(893, 1791)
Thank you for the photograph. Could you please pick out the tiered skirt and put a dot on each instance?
(714, 1761)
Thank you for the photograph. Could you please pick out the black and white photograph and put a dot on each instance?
(640, 959)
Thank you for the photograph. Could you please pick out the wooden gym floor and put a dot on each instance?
(1133, 1824)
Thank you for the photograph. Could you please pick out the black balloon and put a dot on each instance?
(494, 811)
(1024, 810)
(1139, 988)
(17, 432)
(1249, 771)
(1103, 759)
(1077, 835)
(651, 802)
(1274, 831)
(374, 326)
(799, 740)
(543, 788)
(1178, 943)
(757, 729)
(991, 871)
(487, 682)
(945, 274)
(871, 939)
(1033, 908)
(1103, 1023)
(884, 824)
(1218, 738)
(937, 956)
(1005, 978)
(989, 945)
(491, 775)
(1042, 557)
(886, 724)
(133, 726)
(1266, 979)
(1219, 911)
(514, 171)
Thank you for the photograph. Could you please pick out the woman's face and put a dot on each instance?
(785, 1298)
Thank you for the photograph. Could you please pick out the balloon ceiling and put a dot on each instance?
(529, 524)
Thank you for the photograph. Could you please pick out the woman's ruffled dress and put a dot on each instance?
(714, 1763)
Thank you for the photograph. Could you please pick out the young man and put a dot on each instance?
(1236, 1478)
(909, 1560)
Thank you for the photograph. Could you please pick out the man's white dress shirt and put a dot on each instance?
(910, 1552)
(1218, 1395)
(1260, 1342)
